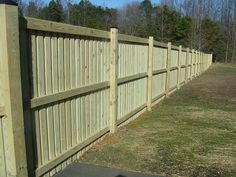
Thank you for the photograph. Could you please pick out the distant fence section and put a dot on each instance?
(77, 84)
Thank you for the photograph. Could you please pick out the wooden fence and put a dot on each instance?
(77, 84)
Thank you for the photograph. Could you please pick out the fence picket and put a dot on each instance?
(87, 83)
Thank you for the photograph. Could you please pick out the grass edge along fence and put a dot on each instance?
(63, 87)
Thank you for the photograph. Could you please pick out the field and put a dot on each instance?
(192, 133)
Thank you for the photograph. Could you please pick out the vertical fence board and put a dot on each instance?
(150, 79)
(3, 170)
(62, 63)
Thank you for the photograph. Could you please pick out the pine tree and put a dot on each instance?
(55, 11)
(213, 40)
(32, 10)
(146, 10)
(182, 34)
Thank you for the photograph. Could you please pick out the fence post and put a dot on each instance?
(10, 91)
(210, 60)
(191, 70)
(195, 64)
(179, 66)
(201, 63)
(113, 79)
(187, 63)
(198, 57)
(150, 60)
(168, 68)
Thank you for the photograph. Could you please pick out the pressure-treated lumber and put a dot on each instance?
(187, 64)
(133, 39)
(168, 68)
(74, 93)
(130, 114)
(2, 112)
(175, 47)
(201, 63)
(132, 78)
(158, 97)
(149, 87)
(179, 66)
(159, 44)
(159, 71)
(184, 49)
(49, 165)
(113, 79)
(192, 64)
(44, 25)
(174, 87)
(44, 100)
(10, 91)
(196, 64)
(173, 68)
(196, 69)
(199, 57)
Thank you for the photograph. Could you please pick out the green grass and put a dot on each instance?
(193, 133)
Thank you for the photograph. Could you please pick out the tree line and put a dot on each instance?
(206, 25)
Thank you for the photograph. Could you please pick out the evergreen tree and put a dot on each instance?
(73, 15)
(165, 22)
(88, 15)
(213, 40)
(44, 13)
(146, 10)
(182, 34)
(32, 10)
(55, 11)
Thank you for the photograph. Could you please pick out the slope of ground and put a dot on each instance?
(193, 133)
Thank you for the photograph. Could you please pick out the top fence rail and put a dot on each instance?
(77, 84)
(50, 26)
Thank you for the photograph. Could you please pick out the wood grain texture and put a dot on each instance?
(113, 79)
(50, 26)
(168, 69)
(133, 39)
(51, 98)
(12, 141)
(86, 82)
(150, 67)
(2, 112)
(179, 66)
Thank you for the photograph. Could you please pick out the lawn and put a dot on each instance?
(192, 133)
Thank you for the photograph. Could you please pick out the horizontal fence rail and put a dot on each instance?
(79, 83)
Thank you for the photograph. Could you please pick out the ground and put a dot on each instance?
(193, 133)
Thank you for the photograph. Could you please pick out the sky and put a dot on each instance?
(115, 3)
(104, 3)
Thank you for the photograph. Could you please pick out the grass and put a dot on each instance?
(193, 133)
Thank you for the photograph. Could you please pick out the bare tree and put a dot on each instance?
(33, 7)
(234, 31)
(129, 18)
